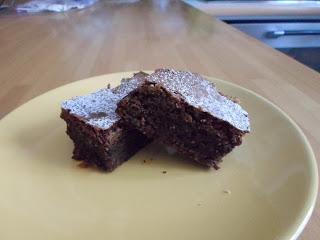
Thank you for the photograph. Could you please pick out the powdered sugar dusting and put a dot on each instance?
(98, 108)
(201, 93)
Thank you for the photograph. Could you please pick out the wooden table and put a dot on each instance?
(41, 52)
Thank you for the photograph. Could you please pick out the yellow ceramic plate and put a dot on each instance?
(265, 189)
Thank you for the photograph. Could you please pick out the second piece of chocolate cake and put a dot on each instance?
(185, 111)
(100, 137)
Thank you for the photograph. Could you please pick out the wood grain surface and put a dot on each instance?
(44, 51)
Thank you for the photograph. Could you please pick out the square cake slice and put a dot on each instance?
(185, 111)
(100, 137)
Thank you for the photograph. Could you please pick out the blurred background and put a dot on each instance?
(292, 27)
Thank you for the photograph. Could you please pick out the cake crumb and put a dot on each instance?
(164, 172)
(227, 191)
(83, 164)
(147, 160)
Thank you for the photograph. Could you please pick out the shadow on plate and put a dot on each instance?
(48, 145)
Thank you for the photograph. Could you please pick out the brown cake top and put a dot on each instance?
(203, 94)
(98, 108)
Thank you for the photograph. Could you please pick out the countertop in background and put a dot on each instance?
(44, 51)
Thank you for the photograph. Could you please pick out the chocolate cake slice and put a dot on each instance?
(185, 111)
(100, 137)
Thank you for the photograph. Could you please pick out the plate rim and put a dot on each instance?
(296, 228)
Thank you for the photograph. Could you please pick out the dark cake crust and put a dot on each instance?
(105, 149)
